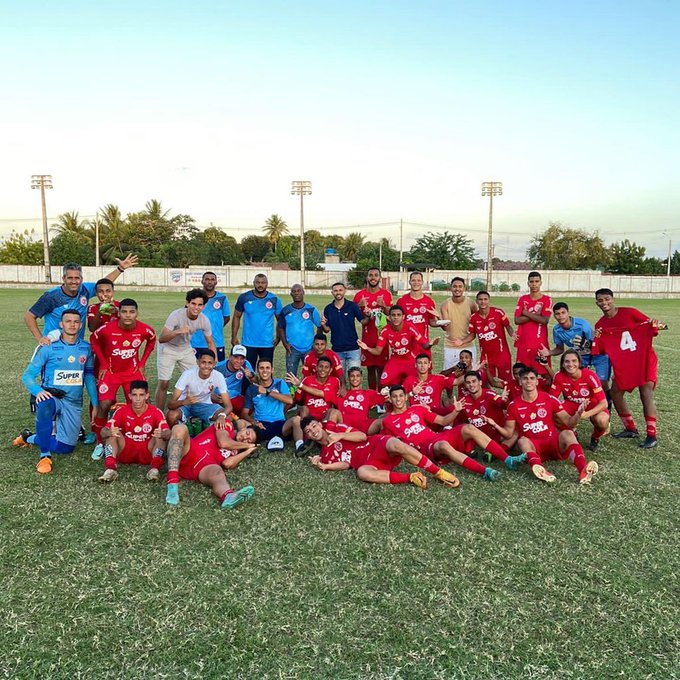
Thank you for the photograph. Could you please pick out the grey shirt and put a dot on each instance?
(179, 319)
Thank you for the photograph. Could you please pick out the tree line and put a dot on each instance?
(164, 240)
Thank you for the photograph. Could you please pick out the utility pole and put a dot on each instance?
(43, 182)
(401, 248)
(302, 188)
(490, 189)
(668, 273)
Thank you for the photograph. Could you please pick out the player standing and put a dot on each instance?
(100, 313)
(457, 310)
(532, 314)
(217, 310)
(297, 328)
(420, 310)
(625, 334)
(373, 300)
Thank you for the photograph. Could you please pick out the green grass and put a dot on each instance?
(322, 576)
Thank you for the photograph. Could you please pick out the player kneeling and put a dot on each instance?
(374, 458)
(205, 459)
(137, 433)
(536, 414)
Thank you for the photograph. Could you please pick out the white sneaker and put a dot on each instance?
(109, 476)
(275, 444)
(153, 475)
(98, 452)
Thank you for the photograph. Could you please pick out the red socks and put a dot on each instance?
(97, 428)
(400, 477)
(651, 426)
(173, 477)
(473, 466)
(627, 420)
(426, 464)
(575, 454)
(496, 450)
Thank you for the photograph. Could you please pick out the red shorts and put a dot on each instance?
(548, 448)
(237, 403)
(527, 356)
(378, 456)
(196, 459)
(500, 366)
(397, 370)
(134, 453)
(453, 437)
(111, 382)
(361, 424)
(368, 359)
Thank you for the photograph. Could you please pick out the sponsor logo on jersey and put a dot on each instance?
(62, 377)
(123, 353)
(535, 428)
(417, 428)
(71, 359)
(126, 343)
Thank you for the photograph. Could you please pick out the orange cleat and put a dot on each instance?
(44, 466)
(418, 479)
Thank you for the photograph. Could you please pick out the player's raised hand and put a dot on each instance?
(129, 261)
(457, 405)
(435, 342)
(293, 379)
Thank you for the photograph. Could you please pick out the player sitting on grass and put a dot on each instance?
(237, 373)
(193, 393)
(56, 376)
(426, 388)
(352, 408)
(535, 415)
(205, 459)
(137, 433)
(579, 385)
(412, 425)
(374, 458)
(316, 393)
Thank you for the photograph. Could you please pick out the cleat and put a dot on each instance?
(511, 462)
(90, 438)
(44, 465)
(649, 443)
(98, 452)
(153, 475)
(588, 472)
(22, 440)
(304, 449)
(594, 443)
(492, 475)
(235, 498)
(447, 479)
(109, 476)
(172, 494)
(418, 479)
(541, 473)
(626, 434)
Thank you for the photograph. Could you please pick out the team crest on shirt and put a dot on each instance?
(414, 418)
(103, 389)
(71, 359)
(82, 359)
(482, 410)
(338, 446)
(584, 392)
(492, 325)
(428, 390)
(83, 301)
(305, 315)
(239, 375)
(404, 341)
(268, 304)
(360, 397)
(217, 305)
(136, 342)
(146, 428)
(542, 413)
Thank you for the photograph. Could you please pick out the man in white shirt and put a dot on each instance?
(193, 394)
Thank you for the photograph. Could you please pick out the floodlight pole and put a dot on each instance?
(490, 189)
(43, 182)
(302, 188)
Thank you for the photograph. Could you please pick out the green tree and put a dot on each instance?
(254, 248)
(70, 222)
(70, 246)
(369, 256)
(217, 248)
(349, 250)
(21, 248)
(444, 251)
(675, 263)
(561, 247)
(274, 228)
(626, 258)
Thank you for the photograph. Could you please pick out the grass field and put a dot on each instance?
(322, 576)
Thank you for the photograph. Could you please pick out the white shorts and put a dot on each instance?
(452, 355)
(167, 358)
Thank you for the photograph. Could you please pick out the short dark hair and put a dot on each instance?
(415, 272)
(483, 292)
(457, 278)
(338, 283)
(560, 305)
(373, 269)
(104, 282)
(208, 274)
(423, 355)
(604, 291)
(466, 351)
(393, 307)
(205, 352)
(526, 370)
(325, 359)
(352, 369)
(70, 311)
(307, 420)
(263, 360)
(139, 385)
(320, 336)
(474, 374)
(195, 293)
(534, 274)
(575, 353)
(129, 302)
(397, 388)
(517, 365)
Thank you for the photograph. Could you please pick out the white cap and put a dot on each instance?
(238, 351)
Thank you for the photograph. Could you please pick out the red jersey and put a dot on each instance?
(103, 318)
(535, 419)
(118, 350)
(318, 405)
(417, 312)
(489, 404)
(586, 389)
(354, 453)
(532, 334)
(404, 344)
(412, 426)
(430, 392)
(490, 331)
(378, 300)
(138, 428)
(626, 338)
(356, 404)
(311, 360)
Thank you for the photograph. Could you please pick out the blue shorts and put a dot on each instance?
(67, 416)
(271, 429)
(601, 365)
(202, 411)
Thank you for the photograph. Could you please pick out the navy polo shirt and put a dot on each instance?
(341, 322)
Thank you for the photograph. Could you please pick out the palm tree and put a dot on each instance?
(274, 228)
(154, 210)
(350, 248)
(70, 222)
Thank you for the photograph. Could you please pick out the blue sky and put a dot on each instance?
(392, 110)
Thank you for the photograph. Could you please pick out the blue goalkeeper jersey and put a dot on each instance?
(52, 303)
(63, 367)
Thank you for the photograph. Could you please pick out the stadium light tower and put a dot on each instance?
(301, 188)
(490, 189)
(43, 182)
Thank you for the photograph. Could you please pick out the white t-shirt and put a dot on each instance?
(199, 387)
